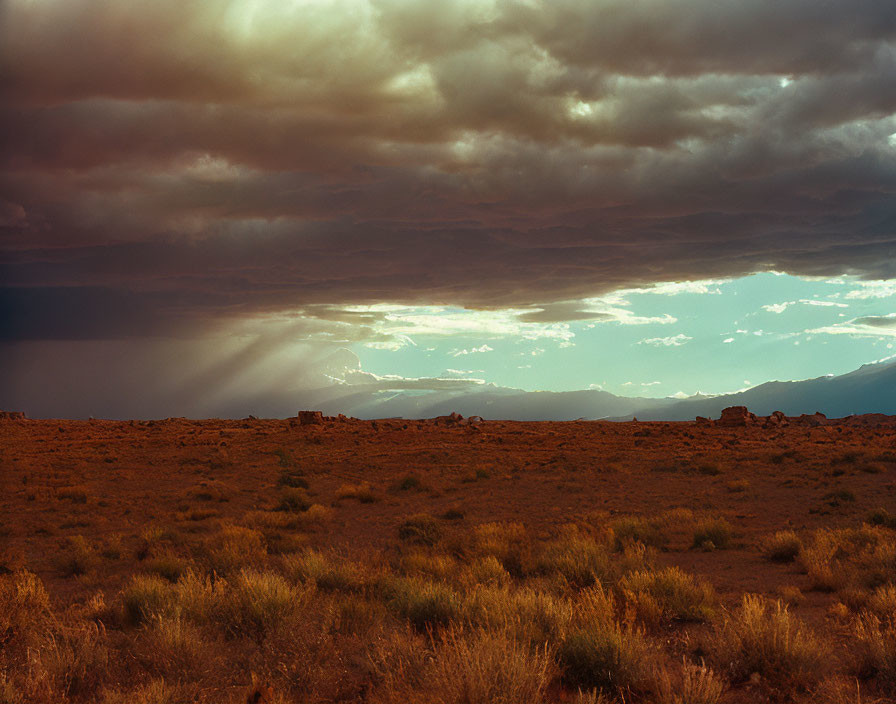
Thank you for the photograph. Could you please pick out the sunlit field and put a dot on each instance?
(406, 561)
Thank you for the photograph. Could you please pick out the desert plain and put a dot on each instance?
(447, 561)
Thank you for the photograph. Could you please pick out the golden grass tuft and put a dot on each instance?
(874, 648)
(764, 637)
(677, 595)
(694, 684)
(783, 546)
(233, 548)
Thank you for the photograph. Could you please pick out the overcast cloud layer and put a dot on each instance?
(172, 162)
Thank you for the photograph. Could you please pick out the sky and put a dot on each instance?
(206, 204)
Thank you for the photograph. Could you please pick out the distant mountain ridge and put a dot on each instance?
(869, 389)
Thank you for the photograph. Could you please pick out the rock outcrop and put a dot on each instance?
(736, 417)
(776, 420)
(311, 418)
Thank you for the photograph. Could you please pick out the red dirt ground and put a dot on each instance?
(133, 474)
(138, 474)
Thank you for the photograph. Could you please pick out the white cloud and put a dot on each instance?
(674, 341)
(880, 326)
(781, 307)
(873, 289)
(727, 340)
(651, 383)
(472, 350)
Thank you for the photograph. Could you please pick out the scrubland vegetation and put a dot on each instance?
(212, 603)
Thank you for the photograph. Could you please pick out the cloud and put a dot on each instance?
(877, 321)
(865, 326)
(472, 350)
(188, 164)
(674, 341)
(873, 289)
(781, 307)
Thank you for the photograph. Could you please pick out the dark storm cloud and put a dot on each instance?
(877, 321)
(171, 162)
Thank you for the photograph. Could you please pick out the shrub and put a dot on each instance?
(209, 491)
(882, 517)
(874, 650)
(634, 529)
(485, 666)
(424, 604)
(783, 546)
(532, 616)
(73, 661)
(420, 529)
(261, 602)
(199, 598)
(764, 637)
(679, 595)
(24, 603)
(324, 572)
(154, 692)
(486, 570)
(176, 644)
(883, 601)
(697, 684)
(712, 533)
(864, 556)
(292, 478)
(77, 557)
(76, 494)
(838, 497)
(234, 547)
(580, 559)
(738, 485)
(604, 655)
(453, 514)
(167, 565)
(360, 492)
(409, 482)
(437, 566)
(791, 595)
(506, 542)
(145, 596)
(293, 499)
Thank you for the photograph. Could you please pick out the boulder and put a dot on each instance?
(736, 417)
(776, 420)
(311, 418)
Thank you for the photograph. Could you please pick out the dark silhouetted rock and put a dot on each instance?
(736, 417)
(311, 418)
(776, 420)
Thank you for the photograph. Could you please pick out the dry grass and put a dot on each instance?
(606, 655)
(420, 529)
(863, 557)
(874, 652)
(669, 594)
(207, 601)
(783, 546)
(764, 637)
(233, 548)
(488, 667)
(693, 684)
(712, 534)
(359, 492)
